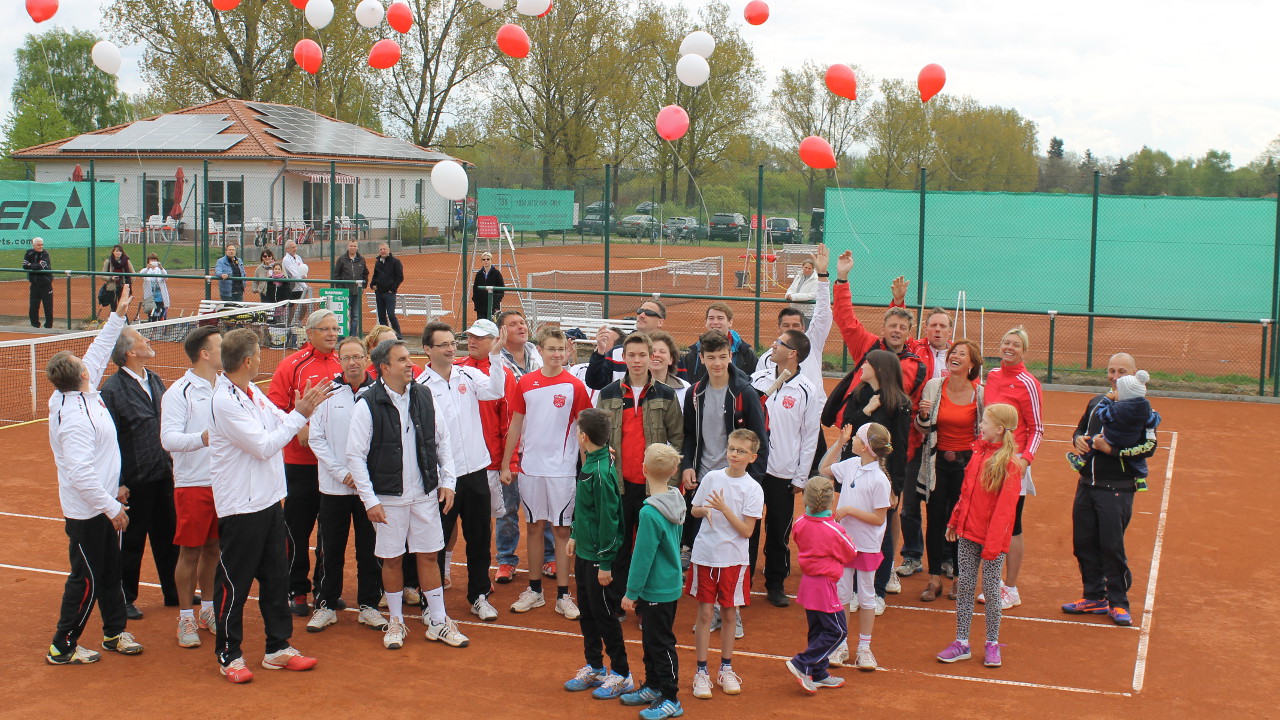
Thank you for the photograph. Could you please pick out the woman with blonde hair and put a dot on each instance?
(377, 334)
(982, 526)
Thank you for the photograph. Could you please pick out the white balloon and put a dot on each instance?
(106, 56)
(319, 13)
(698, 42)
(692, 70)
(532, 7)
(449, 179)
(494, 4)
(368, 13)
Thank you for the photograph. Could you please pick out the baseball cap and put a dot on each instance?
(483, 328)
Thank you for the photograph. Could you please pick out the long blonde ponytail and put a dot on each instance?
(997, 466)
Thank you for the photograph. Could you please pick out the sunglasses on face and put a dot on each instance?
(650, 313)
(783, 344)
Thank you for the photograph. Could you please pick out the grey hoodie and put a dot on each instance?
(670, 504)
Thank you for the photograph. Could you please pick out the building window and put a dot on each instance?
(225, 201)
(157, 198)
(376, 183)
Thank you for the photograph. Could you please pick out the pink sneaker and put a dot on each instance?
(288, 659)
(954, 652)
(993, 655)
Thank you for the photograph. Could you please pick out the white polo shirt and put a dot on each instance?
(185, 414)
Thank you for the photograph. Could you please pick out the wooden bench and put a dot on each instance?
(540, 311)
(429, 306)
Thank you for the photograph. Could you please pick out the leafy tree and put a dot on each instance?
(898, 135)
(1213, 174)
(1148, 172)
(58, 63)
(1267, 176)
(1056, 148)
(34, 121)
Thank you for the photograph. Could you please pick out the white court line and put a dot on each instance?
(1148, 607)
(743, 653)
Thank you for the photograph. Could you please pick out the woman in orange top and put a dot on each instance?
(950, 410)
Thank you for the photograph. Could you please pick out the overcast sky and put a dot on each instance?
(1110, 76)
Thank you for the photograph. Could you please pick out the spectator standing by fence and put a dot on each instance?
(352, 266)
(264, 287)
(41, 292)
(155, 289)
(487, 275)
(117, 262)
(228, 269)
(295, 268)
(388, 273)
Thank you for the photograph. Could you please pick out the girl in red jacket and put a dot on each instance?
(982, 525)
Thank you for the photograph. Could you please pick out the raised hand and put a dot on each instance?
(846, 434)
(844, 264)
(309, 398)
(899, 288)
(122, 303)
(821, 258)
(604, 343)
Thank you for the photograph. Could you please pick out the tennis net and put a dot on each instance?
(22, 362)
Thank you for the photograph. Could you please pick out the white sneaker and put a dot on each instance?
(393, 638)
(879, 606)
(702, 685)
(482, 609)
(1009, 597)
(371, 617)
(412, 596)
(894, 585)
(447, 633)
(566, 607)
(806, 681)
(322, 618)
(865, 661)
(188, 633)
(209, 620)
(527, 601)
(840, 656)
(729, 681)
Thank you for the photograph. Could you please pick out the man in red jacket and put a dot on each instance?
(315, 364)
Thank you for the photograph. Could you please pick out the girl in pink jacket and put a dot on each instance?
(825, 550)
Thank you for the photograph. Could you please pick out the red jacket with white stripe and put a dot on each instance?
(1015, 385)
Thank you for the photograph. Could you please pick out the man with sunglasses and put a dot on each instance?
(794, 406)
(607, 364)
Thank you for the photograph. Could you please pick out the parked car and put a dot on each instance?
(728, 226)
(784, 230)
(593, 224)
(639, 226)
(648, 207)
(683, 228)
(597, 208)
(816, 222)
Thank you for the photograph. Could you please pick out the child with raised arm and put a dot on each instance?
(596, 541)
(653, 585)
(732, 503)
(983, 523)
(860, 510)
(824, 551)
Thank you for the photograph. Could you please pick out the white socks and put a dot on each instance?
(206, 605)
(395, 605)
(435, 605)
(186, 613)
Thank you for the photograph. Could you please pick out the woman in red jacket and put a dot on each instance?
(1011, 383)
(982, 526)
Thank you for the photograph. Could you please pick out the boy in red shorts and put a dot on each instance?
(184, 432)
(731, 502)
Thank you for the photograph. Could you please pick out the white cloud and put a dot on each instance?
(1183, 76)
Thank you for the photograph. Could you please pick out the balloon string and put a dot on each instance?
(692, 179)
(844, 210)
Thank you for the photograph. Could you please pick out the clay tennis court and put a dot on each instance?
(1203, 607)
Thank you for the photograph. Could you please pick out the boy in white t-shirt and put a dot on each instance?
(732, 503)
(544, 419)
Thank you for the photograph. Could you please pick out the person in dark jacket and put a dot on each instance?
(37, 258)
(480, 299)
(724, 394)
(1103, 506)
(133, 397)
(388, 273)
(352, 266)
(720, 317)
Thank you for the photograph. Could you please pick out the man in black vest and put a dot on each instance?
(401, 461)
(37, 258)
(133, 398)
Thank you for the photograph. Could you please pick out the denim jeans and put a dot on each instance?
(507, 534)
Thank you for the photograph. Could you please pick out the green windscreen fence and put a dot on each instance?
(63, 214)
(530, 210)
(1158, 256)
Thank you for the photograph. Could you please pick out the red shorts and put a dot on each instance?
(197, 519)
(725, 586)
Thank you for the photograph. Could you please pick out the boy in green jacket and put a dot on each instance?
(595, 540)
(654, 585)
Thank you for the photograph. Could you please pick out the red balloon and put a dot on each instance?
(513, 40)
(384, 54)
(41, 10)
(225, 5)
(932, 78)
(842, 82)
(672, 122)
(817, 154)
(548, 10)
(756, 12)
(300, 4)
(307, 54)
(400, 17)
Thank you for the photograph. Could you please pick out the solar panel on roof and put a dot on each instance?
(167, 133)
(306, 133)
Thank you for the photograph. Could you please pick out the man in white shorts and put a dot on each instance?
(550, 398)
(398, 454)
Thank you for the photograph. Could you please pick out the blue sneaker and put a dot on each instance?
(613, 686)
(662, 708)
(587, 678)
(644, 696)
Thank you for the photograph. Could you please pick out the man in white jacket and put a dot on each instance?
(789, 318)
(83, 439)
(457, 391)
(803, 287)
(184, 432)
(247, 473)
(399, 454)
(340, 508)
